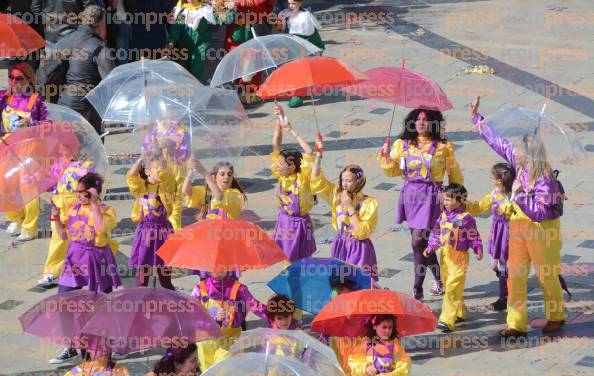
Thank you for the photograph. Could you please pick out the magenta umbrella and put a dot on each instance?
(59, 318)
(401, 87)
(136, 319)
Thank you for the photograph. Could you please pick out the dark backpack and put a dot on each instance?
(558, 207)
(51, 76)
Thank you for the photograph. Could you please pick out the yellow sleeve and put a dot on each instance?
(64, 200)
(232, 201)
(476, 208)
(393, 167)
(307, 165)
(323, 187)
(136, 185)
(507, 208)
(167, 189)
(197, 198)
(66, 212)
(275, 155)
(400, 362)
(358, 364)
(109, 223)
(368, 219)
(452, 166)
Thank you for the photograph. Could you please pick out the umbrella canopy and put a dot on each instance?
(259, 54)
(18, 38)
(347, 314)
(60, 318)
(309, 75)
(31, 162)
(549, 140)
(295, 344)
(401, 87)
(255, 364)
(307, 281)
(219, 245)
(140, 318)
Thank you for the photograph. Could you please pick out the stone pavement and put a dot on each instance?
(539, 52)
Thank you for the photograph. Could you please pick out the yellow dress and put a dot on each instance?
(231, 203)
(298, 183)
(401, 363)
(166, 188)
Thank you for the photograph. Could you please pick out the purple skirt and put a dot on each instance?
(148, 238)
(499, 239)
(418, 204)
(294, 235)
(87, 265)
(360, 253)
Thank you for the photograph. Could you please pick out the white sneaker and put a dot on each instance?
(24, 237)
(13, 228)
(48, 280)
(65, 356)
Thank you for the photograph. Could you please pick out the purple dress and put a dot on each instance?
(85, 263)
(357, 252)
(151, 232)
(293, 232)
(32, 108)
(499, 234)
(381, 355)
(418, 203)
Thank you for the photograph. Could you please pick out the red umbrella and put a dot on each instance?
(31, 161)
(347, 314)
(18, 38)
(217, 245)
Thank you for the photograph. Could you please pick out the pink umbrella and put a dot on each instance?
(401, 87)
(136, 319)
(59, 318)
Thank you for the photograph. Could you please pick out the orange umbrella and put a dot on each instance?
(309, 75)
(218, 245)
(18, 38)
(347, 314)
(31, 161)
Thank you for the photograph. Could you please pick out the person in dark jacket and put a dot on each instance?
(89, 62)
(60, 17)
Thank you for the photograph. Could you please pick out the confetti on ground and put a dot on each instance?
(420, 32)
(354, 41)
(479, 69)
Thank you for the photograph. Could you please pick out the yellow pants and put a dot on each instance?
(29, 216)
(539, 244)
(56, 253)
(453, 266)
(212, 351)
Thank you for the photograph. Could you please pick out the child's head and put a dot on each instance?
(289, 162)
(90, 180)
(382, 327)
(454, 196)
(224, 175)
(352, 179)
(342, 285)
(295, 5)
(280, 310)
(503, 176)
(178, 361)
(149, 170)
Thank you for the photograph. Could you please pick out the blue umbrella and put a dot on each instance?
(307, 281)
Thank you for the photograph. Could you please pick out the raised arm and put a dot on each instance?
(217, 193)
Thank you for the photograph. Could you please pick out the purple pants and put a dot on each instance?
(420, 240)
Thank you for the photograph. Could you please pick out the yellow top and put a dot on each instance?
(102, 238)
(231, 203)
(64, 200)
(485, 205)
(138, 188)
(367, 214)
(287, 183)
(401, 362)
(442, 162)
(97, 368)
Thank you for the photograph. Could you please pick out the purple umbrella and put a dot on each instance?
(60, 318)
(141, 318)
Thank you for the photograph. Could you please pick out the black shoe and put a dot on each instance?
(459, 319)
(553, 326)
(443, 327)
(67, 355)
(512, 333)
(499, 305)
(418, 295)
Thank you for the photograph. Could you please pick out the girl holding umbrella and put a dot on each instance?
(422, 156)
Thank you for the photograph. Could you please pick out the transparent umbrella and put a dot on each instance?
(129, 93)
(535, 133)
(293, 344)
(258, 364)
(260, 54)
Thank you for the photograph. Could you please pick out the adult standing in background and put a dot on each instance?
(59, 17)
(149, 29)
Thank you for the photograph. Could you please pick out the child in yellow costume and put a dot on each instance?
(453, 235)
(228, 302)
(383, 354)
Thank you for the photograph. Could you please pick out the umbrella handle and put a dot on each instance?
(382, 152)
(320, 139)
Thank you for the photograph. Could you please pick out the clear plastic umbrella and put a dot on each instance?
(129, 93)
(536, 134)
(258, 364)
(91, 147)
(294, 344)
(260, 54)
